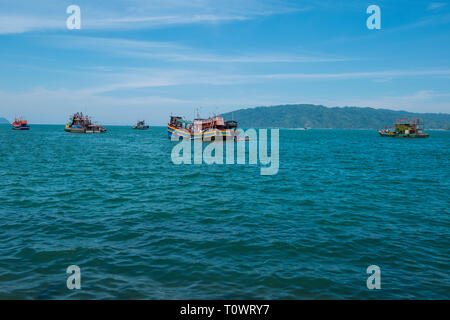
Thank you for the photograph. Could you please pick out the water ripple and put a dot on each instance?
(141, 227)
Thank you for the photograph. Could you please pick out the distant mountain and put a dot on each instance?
(4, 121)
(314, 116)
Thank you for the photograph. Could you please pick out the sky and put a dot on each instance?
(137, 59)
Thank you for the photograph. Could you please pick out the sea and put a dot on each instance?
(139, 226)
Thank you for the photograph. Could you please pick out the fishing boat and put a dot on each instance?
(79, 123)
(405, 128)
(140, 125)
(203, 129)
(20, 124)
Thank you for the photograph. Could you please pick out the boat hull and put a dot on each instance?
(82, 130)
(21, 128)
(391, 134)
(210, 135)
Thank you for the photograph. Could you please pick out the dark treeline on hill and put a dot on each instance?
(313, 116)
(3, 121)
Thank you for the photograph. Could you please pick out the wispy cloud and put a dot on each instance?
(436, 5)
(111, 45)
(173, 52)
(10, 24)
(159, 21)
(61, 103)
(138, 78)
(353, 75)
(21, 16)
(26, 23)
(246, 58)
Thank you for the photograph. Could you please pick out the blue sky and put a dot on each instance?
(147, 59)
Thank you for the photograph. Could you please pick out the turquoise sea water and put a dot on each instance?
(141, 227)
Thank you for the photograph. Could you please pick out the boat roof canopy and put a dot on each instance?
(183, 121)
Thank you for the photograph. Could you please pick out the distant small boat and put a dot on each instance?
(140, 125)
(20, 124)
(80, 123)
(405, 128)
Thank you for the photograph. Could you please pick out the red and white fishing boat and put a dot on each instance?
(20, 124)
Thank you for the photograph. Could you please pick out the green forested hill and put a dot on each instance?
(314, 116)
